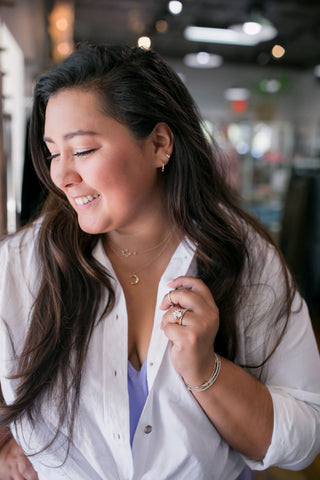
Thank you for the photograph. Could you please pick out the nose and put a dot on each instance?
(63, 172)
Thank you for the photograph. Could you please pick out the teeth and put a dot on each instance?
(85, 200)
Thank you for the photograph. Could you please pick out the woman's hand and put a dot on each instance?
(14, 465)
(192, 342)
(239, 406)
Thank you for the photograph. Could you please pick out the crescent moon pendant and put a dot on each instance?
(134, 279)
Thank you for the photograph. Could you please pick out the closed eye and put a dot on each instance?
(85, 152)
(51, 157)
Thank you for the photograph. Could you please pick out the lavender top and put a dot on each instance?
(138, 392)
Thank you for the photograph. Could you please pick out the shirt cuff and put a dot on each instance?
(296, 433)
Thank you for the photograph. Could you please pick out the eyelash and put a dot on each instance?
(77, 154)
(85, 152)
(51, 157)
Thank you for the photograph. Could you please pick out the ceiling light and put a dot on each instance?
(161, 26)
(175, 7)
(217, 35)
(232, 36)
(278, 51)
(144, 42)
(261, 31)
(252, 28)
(203, 60)
(62, 24)
(60, 28)
(250, 33)
(236, 93)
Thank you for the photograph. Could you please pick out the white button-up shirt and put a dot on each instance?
(174, 438)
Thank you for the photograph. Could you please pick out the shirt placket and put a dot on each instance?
(115, 388)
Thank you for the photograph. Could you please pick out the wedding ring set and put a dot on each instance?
(178, 313)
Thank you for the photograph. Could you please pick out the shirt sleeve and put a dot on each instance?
(292, 375)
(19, 280)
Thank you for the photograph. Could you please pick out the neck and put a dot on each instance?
(141, 238)
(133, 255)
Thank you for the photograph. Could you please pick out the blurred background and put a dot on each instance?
(253, 68)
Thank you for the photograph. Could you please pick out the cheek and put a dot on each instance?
(52, 173)
(108, 174)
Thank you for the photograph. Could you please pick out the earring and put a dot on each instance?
(163, 163)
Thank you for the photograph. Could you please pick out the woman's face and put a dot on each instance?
(109, 177)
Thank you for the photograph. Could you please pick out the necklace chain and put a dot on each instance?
(134, 278)
(125, 252)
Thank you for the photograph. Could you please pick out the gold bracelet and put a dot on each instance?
(212, 379)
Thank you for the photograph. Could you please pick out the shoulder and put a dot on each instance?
(23, 241)
(19, 281)
(19, 257)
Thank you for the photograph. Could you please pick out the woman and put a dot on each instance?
(150, 328)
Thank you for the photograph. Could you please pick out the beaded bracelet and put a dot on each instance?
(212, 379)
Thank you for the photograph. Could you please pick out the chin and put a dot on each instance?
(93, 229)
(90, 229)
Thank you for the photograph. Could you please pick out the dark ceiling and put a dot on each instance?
(123, 21)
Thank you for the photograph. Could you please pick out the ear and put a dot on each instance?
(162, 141)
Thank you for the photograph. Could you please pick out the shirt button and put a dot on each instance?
(147, 429)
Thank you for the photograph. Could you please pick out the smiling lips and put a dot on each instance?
(85, 200)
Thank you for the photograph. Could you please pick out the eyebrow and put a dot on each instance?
(67, 136)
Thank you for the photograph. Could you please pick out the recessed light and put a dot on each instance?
(278, 51)
(175, 7)
(144, 42)
(203, 60)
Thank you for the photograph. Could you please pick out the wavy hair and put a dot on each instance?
(139, 89)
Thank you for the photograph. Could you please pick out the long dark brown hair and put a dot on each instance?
(137, 88)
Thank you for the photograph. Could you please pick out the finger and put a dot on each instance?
(191, 283)
(186, 284)
(182, 298)
(177, 316)
(26, 469)
(169, 298)
(175, 334)
(15, 475)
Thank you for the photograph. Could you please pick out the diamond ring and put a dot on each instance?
(178, 315)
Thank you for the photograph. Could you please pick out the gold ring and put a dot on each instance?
(178, 315)
(170, 299)
(182, 315)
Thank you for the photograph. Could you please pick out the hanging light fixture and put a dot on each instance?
(257, 26)
(61, 20)
(255, 30)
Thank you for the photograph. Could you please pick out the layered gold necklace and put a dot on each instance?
(125, 253)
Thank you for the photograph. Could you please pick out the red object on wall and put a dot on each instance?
(239, 106)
